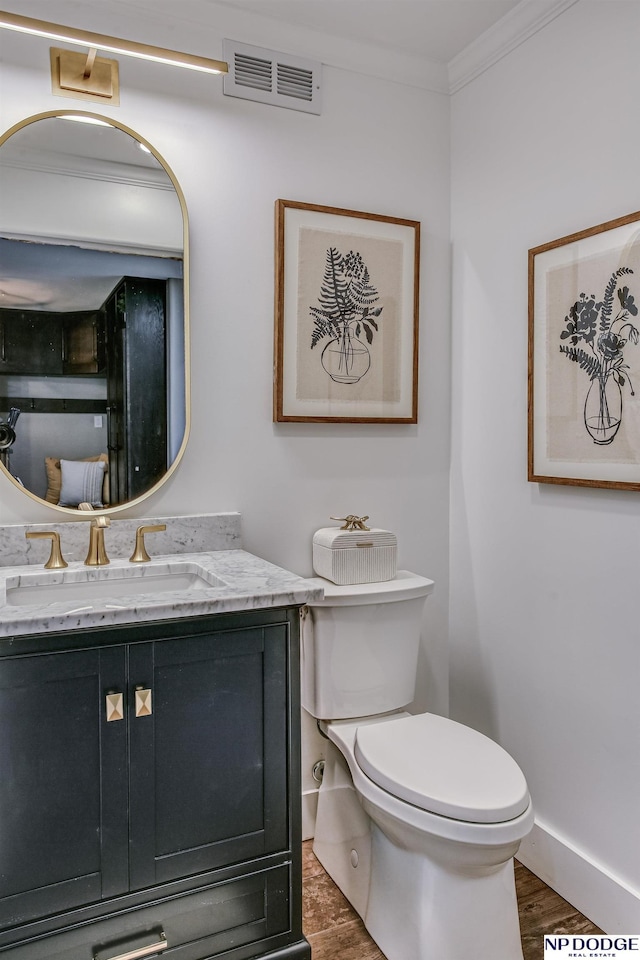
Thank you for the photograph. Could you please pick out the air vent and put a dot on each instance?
(271, 77)
(253, 72)
(294, 82)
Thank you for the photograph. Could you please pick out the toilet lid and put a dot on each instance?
(443, 767)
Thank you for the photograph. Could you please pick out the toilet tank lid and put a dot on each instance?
(404, 586)
(444, 767)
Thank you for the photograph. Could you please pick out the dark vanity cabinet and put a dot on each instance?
(149, 791)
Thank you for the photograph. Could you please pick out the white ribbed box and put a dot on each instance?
(355, 556)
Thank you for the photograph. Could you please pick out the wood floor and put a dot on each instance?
(335, 931)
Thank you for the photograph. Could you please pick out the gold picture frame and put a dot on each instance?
(584, 358)
(346, 316)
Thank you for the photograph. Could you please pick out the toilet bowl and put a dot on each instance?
(419, 817)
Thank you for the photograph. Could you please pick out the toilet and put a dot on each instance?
(419, 817)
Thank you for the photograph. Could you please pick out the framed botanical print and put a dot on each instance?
(346, 316)
(584, 357)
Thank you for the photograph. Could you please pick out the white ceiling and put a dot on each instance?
(436, 30)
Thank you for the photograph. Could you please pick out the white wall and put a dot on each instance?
(545, 643)
(380, 145)
(545, 650)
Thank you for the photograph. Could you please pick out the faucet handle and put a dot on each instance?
(140, 554)
(56, 561)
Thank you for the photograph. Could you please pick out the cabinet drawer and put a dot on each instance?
(195, 926)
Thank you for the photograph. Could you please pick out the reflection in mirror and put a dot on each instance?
(93, 325)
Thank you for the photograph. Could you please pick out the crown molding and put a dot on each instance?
(89, 168)
(509, 32)
(223, 19)
(212, 20)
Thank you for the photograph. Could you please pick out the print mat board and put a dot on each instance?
(584, 357)
(346, 316)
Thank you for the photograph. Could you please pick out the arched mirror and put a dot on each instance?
(94, 387)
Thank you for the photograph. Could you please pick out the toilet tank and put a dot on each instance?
(360, 646)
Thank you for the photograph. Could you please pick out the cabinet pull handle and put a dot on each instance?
(115, 707)
(138, 953)
(143, 702)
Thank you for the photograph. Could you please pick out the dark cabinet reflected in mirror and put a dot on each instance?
(93, 325)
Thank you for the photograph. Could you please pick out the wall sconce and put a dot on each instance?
(84, 76)
(88, 76)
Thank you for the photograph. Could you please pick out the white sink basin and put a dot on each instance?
(94, 585)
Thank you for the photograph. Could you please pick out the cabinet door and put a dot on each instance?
(63, 793)
(209, 761)
(83, 343)
(30, 343)
(136, 386)
(146, 384)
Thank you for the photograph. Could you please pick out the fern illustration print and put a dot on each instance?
(595, 336)
(347, 317)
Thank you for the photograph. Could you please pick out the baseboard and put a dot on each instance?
(608, 902)
(309, 810)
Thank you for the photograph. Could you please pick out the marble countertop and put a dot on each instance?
(233, 580)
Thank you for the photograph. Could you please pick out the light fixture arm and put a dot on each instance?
(99, 41)
(91, 59)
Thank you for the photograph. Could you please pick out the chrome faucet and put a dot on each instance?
(97, 555)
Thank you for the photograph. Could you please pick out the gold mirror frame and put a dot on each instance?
(74, 511)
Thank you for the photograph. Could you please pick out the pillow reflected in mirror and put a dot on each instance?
(81, 483)
(55, 493)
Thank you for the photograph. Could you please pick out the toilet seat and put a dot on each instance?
(442, 767)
